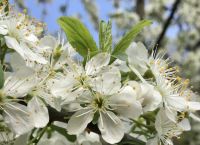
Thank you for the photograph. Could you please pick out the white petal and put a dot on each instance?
(18, 87)
(88, 138)
(122, 65)
(3, 29)
(18, 118)
(62, 86)
(185, 124)
(47, 43)
(151, 97)
(32, 38)
(138, 56)
(54, 102)
(19, 64)
(171, 113)
(96, 63)
(125, 103)
(194, 106)
(13, 44)
(177, 102)
(79, 121)
(136, 87)
(111, 127)
(30, 56)
(108, 81)
(195, 117)
(39, 112)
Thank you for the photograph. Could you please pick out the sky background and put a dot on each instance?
(75, 7)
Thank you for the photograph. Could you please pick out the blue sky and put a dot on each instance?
(75, 7)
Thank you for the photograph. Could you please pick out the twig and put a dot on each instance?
(166, 24)
(140, 8)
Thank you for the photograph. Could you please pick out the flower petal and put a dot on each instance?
(79, 121)
(96, 63)
(125, 103)
(13, 44)
(108, 81)
(3, 29)
(151, 97)
(194, 106)
(178, 103)
(139, 61)
(111, 127)
(39, 112)
(18, 87)
(18, 118)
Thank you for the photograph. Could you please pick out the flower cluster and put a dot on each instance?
(140, 96)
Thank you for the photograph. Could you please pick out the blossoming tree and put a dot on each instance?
(54, 91)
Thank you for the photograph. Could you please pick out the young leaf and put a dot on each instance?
(128, 38)
(105, 36)
(78, 36)
(1, 76)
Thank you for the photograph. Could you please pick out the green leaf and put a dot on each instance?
(96, 118)
(78, 36)
(105, 36)
(128, 38)
(122, 56)
(63, 131)
(129, 140)
(1, 76)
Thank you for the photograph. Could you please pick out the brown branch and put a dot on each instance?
(166, 24)
(140, 8)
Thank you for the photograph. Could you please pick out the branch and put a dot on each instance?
(140, 8)
(167, 23)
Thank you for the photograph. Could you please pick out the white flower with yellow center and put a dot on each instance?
(77, 77)
(167, 129)
(17, 116)
(20, 34)
(21, 118)
(169, 89)
(107, 99)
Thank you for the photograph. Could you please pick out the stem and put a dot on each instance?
(36, 139)
(166, 24)
(140, 8)
(143, 125)
(3, 51)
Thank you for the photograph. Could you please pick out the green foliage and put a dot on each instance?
(105, 36)
(123, 44)
(131, 141)
(78, 36)
(96, 118)
(1, 76)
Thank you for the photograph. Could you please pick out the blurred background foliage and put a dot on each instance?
(175, 28)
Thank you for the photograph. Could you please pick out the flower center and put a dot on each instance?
(83, 80)
(99, 102)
